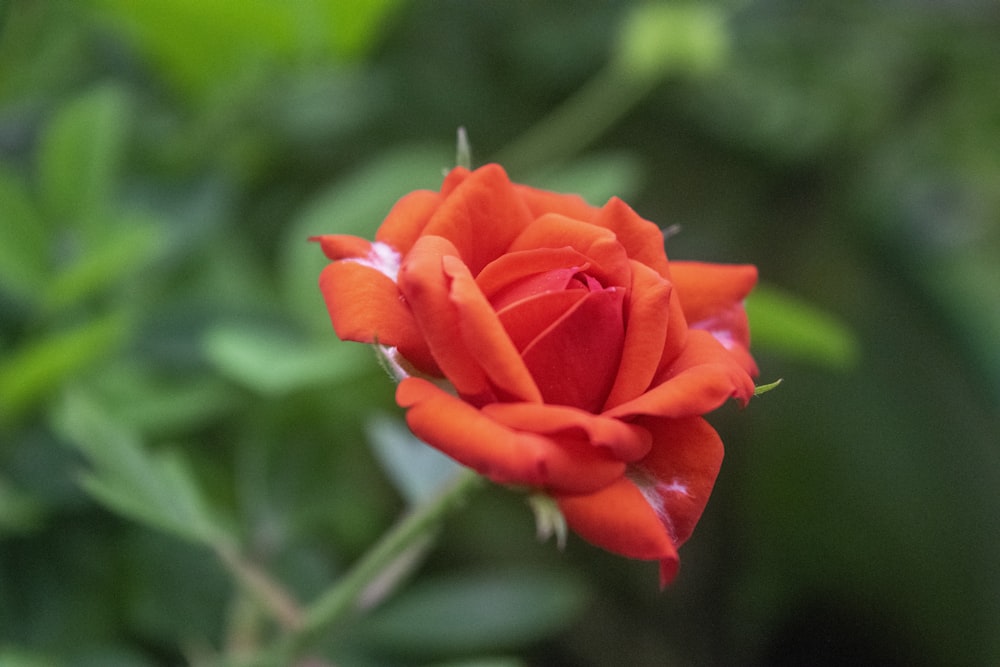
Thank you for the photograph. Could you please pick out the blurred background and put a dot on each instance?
(172, 394)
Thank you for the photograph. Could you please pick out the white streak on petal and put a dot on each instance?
(383, 258)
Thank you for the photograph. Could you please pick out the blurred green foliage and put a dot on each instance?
(178, 423)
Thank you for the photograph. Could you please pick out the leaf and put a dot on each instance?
(80, 157)
(31, 372)
(480, 612)
(224, 38)
(155, 489)
(23, 240)
(104, 264)
(19, 511)
(417, 470)
(782, 323)
(270, 362)
(11, 656)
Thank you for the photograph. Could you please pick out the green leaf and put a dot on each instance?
(764, 388)
(416, 469)
(19, 511)
(475, 612)
(105, 264)
(31, 372)
(782, 323)
(157, 489)
(225, 38)
(11, 656)
(23, 240)
(272, 363)
(81, 157)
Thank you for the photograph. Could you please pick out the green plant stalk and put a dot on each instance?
(581, 119)
(344, 597)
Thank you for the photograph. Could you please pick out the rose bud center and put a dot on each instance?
(569, 329)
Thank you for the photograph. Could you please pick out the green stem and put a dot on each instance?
(338, 602)
(581, 119)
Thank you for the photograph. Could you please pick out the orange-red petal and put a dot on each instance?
(706, 289)
(515, 266)
(645, 334)
(485, 338)
(343, 246)
(541, 202)
(642, 239)
(427, 290)
(481, 216)
(702, 378)
(365, 306)
(626, 442)
(609, 262)
(679, 472)
(618, 518)
(407, 219)
(505, 455)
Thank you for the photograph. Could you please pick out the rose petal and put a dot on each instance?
(515, 266)
(481, 216)
(525, 321)
(626, 442)
(575, 361)
(407, 219)
(679, 472)
(541, 202)
(365, 306)
(712, 296)
(427, 289)
(702, 378)
(609, 262)
(642, 239)
(505, 455)
(706, 290)
(342, 246)
(485, 337)
(618, 518)
(645, 334)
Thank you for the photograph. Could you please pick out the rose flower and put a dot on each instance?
(550, 344)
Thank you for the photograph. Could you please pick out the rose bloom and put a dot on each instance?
(550, 344)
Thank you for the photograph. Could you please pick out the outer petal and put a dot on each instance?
(678, 474)
(505, 455)
(343, 246)
(698, 381)
(645, 334)
(707, 290)
(619, 519)
(642, 239)
(712, 297)
(485, 338)
(627, 442)
(609, 261)
(427, 290)
(481, 216)
(541, 202)
(365, 306)
(407, 219)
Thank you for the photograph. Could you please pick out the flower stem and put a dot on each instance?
(412, 531)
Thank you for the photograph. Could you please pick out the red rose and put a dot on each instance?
(547, 343)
